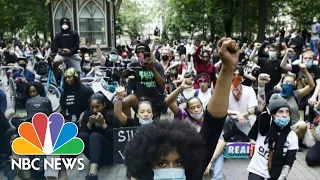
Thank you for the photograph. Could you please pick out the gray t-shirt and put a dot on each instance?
(294, 106)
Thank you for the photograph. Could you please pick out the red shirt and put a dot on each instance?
(201, 67)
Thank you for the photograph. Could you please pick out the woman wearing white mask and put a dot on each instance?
(87, 66)
(144, 111)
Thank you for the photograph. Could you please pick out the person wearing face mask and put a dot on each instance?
(307, 59)
(294, 98)
(203, 65)
(66, 45)
(194, 110)
(144, 111)
(96, 131)
(276, 144)
(10, 56)
(113, 58)
(270, 65)
(21, 78)
(242, 104)
(175, 149)
(87, 66)
(149, 81)
(165, 58)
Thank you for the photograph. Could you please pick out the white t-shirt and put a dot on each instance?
(204, 97)
(259, 162)
(247, 100)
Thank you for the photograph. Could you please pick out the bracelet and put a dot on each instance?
(118, 101)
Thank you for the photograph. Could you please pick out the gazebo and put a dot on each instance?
(94, 20)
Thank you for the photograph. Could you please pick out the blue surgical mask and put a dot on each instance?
(287, 90)
(169, 174)
(177, 58)
(282, 122)
(113, 57)
(145, 122)
(308, 64)
(197, 116)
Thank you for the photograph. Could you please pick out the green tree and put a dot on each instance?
(131, 16)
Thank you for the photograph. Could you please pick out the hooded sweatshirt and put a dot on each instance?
(66, 38)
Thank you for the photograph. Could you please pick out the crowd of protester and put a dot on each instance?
(218, 92)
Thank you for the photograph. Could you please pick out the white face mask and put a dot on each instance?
(64, 27)
(272, 55)
(11, 51)
(145, 122)
(87, 58)
(196, 116)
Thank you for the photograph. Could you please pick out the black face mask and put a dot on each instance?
(165, 57)
(24, 66)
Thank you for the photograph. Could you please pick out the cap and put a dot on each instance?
(36, 105)
(276, 102)
(113, 51)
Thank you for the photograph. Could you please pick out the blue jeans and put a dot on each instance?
(314, 47)
(217, 168)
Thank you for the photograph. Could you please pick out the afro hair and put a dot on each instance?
(152, 141)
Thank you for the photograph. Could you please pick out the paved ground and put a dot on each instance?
(234, 169)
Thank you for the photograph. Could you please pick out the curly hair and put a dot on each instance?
(152, 141)
(39, 87)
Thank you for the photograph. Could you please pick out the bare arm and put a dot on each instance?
(170, 100)
(284, 63)
(99, 55)
(306, 90)
(253, 55)
(120, 115)
(317, 90)
(219, 101)
(219, 149)
(261, 98)
(248, 112)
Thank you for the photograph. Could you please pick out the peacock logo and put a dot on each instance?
(48, 136)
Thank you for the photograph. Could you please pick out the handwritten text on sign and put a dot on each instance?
(121, 136)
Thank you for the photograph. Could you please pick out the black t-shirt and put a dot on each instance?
(75, 100)
(10, 58)
(301, 78)
(210, 131)
(271, 67)
(146, 85)
(132, 122)
(250, 67)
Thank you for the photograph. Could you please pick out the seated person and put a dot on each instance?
(21, 78)
(87, 66)
(313, 155)
(75, 96)
(242, 103)
(144, 114)
(150, 82)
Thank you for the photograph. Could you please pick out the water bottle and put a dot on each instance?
(74, 118)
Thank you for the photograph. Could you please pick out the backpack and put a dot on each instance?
(42, 68)
(235, 135)
(38, 104)
(196, 93)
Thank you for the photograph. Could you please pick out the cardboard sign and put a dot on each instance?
(121, 136)
(239, 150)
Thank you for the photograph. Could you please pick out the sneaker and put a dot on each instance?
(91, 177)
